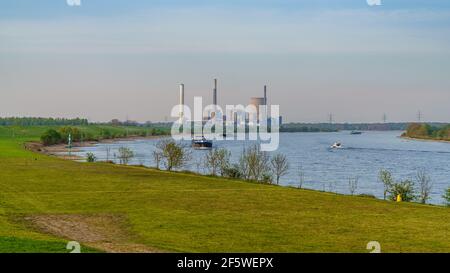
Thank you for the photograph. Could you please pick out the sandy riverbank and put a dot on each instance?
(425, 139)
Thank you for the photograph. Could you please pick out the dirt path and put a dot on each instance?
(103, 232)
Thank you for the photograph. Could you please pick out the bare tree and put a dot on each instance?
(198, 165)
(173, 155)
(425, 185)
(217, 160)
(301, 177)
(353, 184)
(108, 152)
(254, 163)
(280, 166)
(157, 156)
(125, 155)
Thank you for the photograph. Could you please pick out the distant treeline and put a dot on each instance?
(302, 127)
(328, 127)
(428, 131)
(16, 121)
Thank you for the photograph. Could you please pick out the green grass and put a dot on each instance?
(190, 213)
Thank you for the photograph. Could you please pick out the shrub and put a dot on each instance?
(367, 195)
(51, 137)
(90, 157)
(233, 171)
(405, 189)
(105, 134)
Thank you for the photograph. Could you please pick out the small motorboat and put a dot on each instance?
(356, 133)
(202, 143)
(336, 145)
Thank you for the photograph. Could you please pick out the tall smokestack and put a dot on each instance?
(215, 92)
(181, 101)
(265, 94)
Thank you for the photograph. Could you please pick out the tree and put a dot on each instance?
(386, 178)
(403, 188)
(157, 156)
(174, 155)
(353, 184)
(280, 166)
(446, 197)
(425, 186)
(301, 177)
(217, 161)
(125, 154)
(74, 132)
(51, 137)
(254, 163)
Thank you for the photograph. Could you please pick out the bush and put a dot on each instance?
(405, 189)
(233, 171)
(367, 195)
(51, 137)
(90, 157)
(446, 197)
(106, 134)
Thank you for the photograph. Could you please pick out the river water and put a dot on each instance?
(327, 169)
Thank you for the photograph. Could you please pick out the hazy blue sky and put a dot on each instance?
(117, 58)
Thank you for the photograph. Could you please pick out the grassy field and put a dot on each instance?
(143, 209)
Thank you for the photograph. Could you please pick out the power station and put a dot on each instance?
(254, 101)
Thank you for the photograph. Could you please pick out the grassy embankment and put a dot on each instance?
(149, 209)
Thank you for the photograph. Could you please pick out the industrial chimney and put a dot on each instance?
(181, 101)
(215, 92)
(265, 95)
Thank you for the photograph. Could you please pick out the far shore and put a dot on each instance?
(62, 151)
(425, 139)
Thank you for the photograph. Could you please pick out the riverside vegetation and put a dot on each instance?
(147, 209)
(427, 131)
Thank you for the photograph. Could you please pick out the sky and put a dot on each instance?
(124, 59)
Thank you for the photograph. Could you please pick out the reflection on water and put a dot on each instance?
(329, 169)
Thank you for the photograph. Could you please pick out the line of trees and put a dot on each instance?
(427, 131)
(254, 164)
(29, 121)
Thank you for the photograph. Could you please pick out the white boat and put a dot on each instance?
(336, 145)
